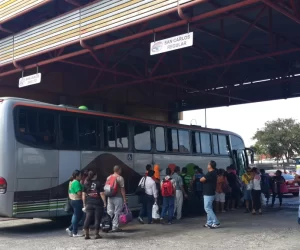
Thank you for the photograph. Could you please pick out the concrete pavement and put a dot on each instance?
(276, 229)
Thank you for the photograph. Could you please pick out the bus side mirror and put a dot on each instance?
(252, 158)
(251, 154)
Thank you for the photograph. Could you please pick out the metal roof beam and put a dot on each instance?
(202, 68)
(246, 47)
(257, 26)
(246, 34)
(282, 11)
(73, 2)
(5, 30)
(295, 7)
(100, 69)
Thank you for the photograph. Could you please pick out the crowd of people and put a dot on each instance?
(219, 190)
(88, 201)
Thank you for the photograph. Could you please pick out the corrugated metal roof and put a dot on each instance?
(11, 8)
(85, 23)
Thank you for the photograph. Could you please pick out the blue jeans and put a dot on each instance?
(208, 207)
(77, 206)
(168, 206)
(81, 222)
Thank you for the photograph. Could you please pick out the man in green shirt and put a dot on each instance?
(187, 182)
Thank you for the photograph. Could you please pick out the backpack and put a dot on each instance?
(167, 188)
(111, 186)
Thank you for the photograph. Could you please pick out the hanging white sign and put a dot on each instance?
(30, 80)
(172, 43)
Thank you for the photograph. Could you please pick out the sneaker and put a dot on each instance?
(170, 223)
(206, 225)
(69, 232)
(140, 220)
(77, 235)
(87, 237)
(213, 226)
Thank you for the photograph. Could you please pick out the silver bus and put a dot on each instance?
(42, 144)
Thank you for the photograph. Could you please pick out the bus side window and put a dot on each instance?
(122, 134)
(223, 145)
(68, 135)
(27, 126)
(196, 142)
(142, 137)
(216, 145)
(87, 133)
(109, 134)
(160, 139)
(172, 140)
(205, 142)
(46, 125)
(184, 141)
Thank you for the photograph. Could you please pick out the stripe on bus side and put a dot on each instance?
(33, 201)
(43, 206)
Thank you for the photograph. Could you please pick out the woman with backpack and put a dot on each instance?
(168, 193)
(94, 202)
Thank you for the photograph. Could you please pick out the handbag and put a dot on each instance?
(125, 216)
(140, 190)
(68, 208)
(283, 188)
(155, 212)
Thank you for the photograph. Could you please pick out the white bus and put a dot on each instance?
(42, 144)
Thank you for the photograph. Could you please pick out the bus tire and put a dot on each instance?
(64, 220)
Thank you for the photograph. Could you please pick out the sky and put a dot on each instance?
(244, 119)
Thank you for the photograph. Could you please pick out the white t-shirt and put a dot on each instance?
(150, 186)
(256, 182)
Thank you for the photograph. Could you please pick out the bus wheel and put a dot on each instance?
(64, 220)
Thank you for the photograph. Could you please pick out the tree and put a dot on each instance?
(280, 138)
(259, 150)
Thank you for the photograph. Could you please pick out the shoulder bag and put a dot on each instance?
(140, 190)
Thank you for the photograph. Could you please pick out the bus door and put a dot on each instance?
(240, 162)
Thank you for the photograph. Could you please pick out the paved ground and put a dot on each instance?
(276, 229)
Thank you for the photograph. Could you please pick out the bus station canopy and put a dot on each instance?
(243, 51)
